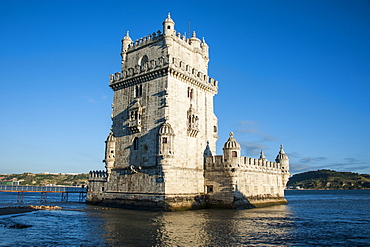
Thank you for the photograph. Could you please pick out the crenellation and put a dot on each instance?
(190, 73)
(97, 175)
(246, 164)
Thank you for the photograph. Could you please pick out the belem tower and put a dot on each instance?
(160, 153)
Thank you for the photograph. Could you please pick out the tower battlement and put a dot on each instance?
(98, 175)
(245, 164)
(153, 64)
(193, 43)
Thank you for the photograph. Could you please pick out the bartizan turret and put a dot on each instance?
(166, 136)
(231, 151)
(283, 159)
(194, 41)
(110, 149)
(205, 48)
(126, 42)
(168, 26)
(262, 156)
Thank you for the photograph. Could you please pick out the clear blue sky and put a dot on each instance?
(290, 72)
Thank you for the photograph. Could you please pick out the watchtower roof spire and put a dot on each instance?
(127, 37)
(169, 19)
(169, 26)
(232, 143)
(262, 156)
(281, 155)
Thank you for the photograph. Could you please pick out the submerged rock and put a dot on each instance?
(19, 226)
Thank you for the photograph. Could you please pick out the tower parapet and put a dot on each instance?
(98, 176)
(158, 67)
(173, 62)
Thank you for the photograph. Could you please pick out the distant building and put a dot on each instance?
(160, 151)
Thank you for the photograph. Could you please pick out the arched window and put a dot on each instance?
(143, 60)
(234, 154)
(135, 143)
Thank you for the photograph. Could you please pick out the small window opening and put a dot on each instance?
(234, 154)
(135, 115)
(209, 189)
(190, 92)
(135, 144)
(164, 140)
(215, 128)
(138, 91)
(168, 27)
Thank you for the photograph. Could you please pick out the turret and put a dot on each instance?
(168, 26)
(231, 150)
(110, 149)
(283, 159)
(166, 136)
(126, 42)
(262, 156)
(204, 47)
(194, 41)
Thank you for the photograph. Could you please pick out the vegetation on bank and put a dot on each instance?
(44, 179)
(320, 179)
(329, 180)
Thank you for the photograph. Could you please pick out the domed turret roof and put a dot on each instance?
(127, 37)
(168, 19)
(232, 143)
(111, 137)
(262, 156)
(281, 155)
(166, 129)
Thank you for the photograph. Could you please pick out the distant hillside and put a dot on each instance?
(328, 179)
(45, 179)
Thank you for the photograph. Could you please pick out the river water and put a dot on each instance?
(312, 218)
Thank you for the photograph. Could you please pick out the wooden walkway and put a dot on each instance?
(44, 190)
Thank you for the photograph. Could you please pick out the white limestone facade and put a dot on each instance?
(160, 151)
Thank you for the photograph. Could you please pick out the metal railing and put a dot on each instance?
(51, 189)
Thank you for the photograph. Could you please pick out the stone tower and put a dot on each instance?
(160, 152)
(163, 120)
